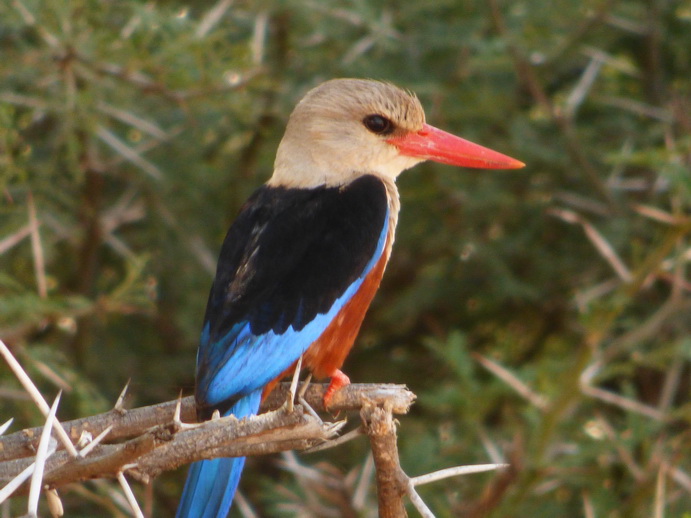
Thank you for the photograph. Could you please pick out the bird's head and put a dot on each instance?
(345, 128)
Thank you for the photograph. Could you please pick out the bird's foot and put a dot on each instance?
(338, 381)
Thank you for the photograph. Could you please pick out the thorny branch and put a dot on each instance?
(154, 439)
(156, 442)
(135, 422)
(392, 482)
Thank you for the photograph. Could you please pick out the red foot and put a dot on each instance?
(338, 380)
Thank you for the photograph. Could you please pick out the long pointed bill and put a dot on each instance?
(434, 144)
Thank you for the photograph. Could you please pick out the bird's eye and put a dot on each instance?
(378, 124)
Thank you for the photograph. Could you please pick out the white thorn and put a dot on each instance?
(84, 439)
(305, 386)
(29, 386)
(176, 417)
(121, 398)
(294, 385)
(309, 409)
(357, 432)
(130, 495)
(178, 406)
(6, 425)
(17, 481)
(454, 472)
(87, 449)
(41, 456)
(419, 503)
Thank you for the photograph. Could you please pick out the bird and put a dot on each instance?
(305, 255)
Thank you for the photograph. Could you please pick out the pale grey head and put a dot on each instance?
(328, 142)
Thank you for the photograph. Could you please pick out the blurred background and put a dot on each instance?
(542, 316)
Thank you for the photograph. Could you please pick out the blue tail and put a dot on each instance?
(211, 484)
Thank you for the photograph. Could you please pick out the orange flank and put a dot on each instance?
(326, 356)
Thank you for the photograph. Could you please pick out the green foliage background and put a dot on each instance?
(135, 131)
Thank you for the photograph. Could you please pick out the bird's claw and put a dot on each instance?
(338, 381)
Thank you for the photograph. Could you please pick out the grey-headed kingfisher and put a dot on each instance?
(305, 256)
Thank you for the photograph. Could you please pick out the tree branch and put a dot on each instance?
(393, 484)
(391, 480)
(154, 439)
(131, 423)
(159, 447)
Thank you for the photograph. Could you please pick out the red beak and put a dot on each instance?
(434, 144)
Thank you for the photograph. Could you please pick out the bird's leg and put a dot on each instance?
(338, 380)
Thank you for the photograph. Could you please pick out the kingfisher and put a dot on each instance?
(301, 263)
